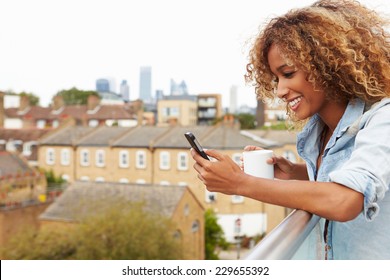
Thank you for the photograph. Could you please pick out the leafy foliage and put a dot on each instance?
(75, 96)
(32, 98)
(120, 232)
(247, 121)
(214, 235)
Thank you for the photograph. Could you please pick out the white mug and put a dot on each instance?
(255, 163)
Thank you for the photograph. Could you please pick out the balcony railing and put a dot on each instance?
(283, 242)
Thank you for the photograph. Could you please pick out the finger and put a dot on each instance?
(197, 157)
(251, 148)
(214, 154)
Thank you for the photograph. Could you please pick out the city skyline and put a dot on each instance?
(50, 46)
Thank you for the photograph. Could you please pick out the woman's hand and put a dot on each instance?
(220, 175)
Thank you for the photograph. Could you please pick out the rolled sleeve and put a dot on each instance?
(368, 169)
(360, 182)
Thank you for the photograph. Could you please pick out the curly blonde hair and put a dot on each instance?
(341, 45)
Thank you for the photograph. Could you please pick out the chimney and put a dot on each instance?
(58, 102)
(93, 102)
(228, 120)
(24, 103)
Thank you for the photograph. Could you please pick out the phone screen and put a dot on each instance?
(195, 144)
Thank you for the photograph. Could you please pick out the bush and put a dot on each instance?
(125, 232)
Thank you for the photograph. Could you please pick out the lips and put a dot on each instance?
(294, 103)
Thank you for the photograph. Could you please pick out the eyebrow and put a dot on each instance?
(281, 67)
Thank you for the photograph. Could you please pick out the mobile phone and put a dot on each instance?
(195, 144)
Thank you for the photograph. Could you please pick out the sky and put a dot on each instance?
(51, 45)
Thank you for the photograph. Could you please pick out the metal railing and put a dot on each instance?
(284, 240)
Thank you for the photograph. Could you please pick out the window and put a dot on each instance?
(183, 184)
(93, 123)
(65, 177)
(84, 157)
(65, 156)
(140, 181)
(182, 161)
(195, 226)
(84, 178)
(123, 181)
(28, 148)
(123, 159)
(237, 199)
(140, 159)
(99, 179)
(164, 183)
(186, 209)
(210, 197)
(41, 124)
(100, 158)
(55, 124)
(165, 160)
(50, 156)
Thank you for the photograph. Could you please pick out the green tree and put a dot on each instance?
(126, 231)
(247, 121)
(214, 235)
(75, 96)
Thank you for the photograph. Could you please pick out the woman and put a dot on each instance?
(330, 63)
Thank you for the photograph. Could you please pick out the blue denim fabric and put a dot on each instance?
(358, 157)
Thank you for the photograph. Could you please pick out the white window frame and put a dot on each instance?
(164, 183)
(165, 160)
(182, 161)
(140, 181)
(123, 180)
(84, 178)
(124, 163)
(100, 158)
(50, 156)
(99, 179)
(237, 199)
(84, 157)
(140, 159)
(65, 157)
(66, 177)
(208, 196)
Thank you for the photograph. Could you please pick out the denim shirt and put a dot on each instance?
(357, 156)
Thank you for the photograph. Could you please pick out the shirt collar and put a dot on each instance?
(311, 133)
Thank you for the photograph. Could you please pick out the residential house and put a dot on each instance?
(93, 114)
(23, 141)
(18, 181)
(94, 156)
(57, 151)
(209, 108)
(159, 155)
(177, 203)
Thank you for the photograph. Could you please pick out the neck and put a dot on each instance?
(332, 113)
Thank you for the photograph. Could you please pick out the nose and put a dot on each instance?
(281, 90)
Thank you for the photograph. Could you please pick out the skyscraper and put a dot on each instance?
(233, 100)
(125, 90)
(102, 85)
(178, 89)
(105, 85)
(145, 83)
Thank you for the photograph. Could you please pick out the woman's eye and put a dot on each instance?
(288, 74)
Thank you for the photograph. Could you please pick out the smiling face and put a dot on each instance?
(293, 87)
